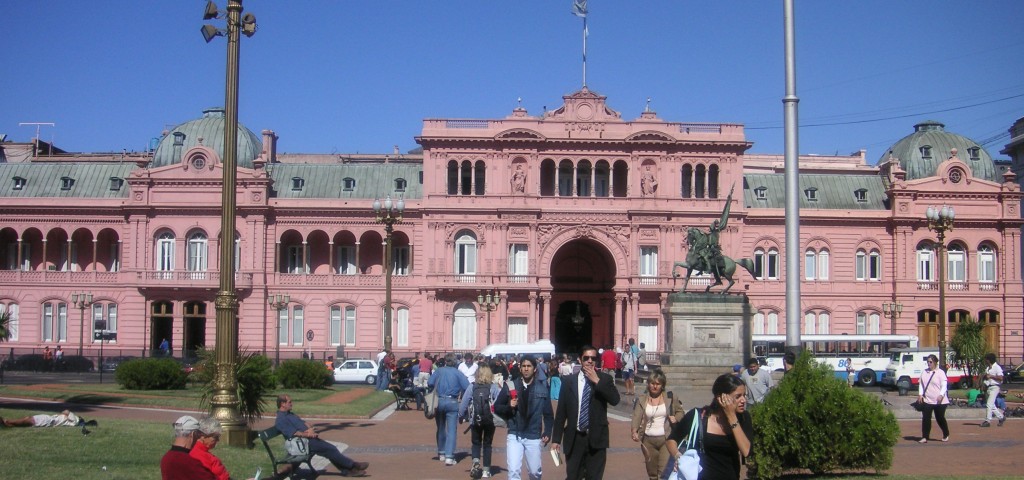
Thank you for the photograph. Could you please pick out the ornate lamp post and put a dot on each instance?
(489, 302)
(388, 214)
(81, 301)
(278, 302)
(940, 220)
(225, 385)
(893, 311)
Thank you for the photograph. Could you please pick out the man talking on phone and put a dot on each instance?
(526, 409)
(581, 419)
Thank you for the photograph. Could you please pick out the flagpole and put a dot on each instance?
(584, 51)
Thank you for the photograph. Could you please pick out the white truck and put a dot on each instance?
(906, 365)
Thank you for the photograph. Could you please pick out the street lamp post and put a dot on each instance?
(488, 302)
(940, 220)
(224, 401)
(893, 311)
(81, 301)
(388, 214)
(278, 302)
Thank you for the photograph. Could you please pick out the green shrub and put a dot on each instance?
(76, 363)
(255, 379)
(813, 421)
(151, 374)
(303, 374)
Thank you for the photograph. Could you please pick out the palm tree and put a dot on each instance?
(5, 325)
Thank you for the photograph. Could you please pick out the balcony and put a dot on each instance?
(279, 279)
(957, 287)
(19, 277)
(178, 279)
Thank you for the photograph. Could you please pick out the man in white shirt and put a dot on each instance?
(758, 381)
(993, 378)
(468, 367)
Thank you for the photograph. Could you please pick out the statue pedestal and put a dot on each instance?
(708, 333)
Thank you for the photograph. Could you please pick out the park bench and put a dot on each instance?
(291, 462)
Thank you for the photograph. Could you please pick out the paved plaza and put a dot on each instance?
(400, 444)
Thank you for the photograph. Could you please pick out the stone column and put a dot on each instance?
(708, 333)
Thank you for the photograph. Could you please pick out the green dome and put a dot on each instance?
(210, 129)
(921, 152)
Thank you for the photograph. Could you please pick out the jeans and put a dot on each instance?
(330, 452)
(990, 403)
(447, 420)
(515, 447)
(483, 437)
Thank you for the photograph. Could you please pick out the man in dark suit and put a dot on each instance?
(581, 419)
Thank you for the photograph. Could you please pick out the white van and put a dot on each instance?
(906, 365)
(540, 348)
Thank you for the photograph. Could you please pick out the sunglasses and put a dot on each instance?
(592, 358)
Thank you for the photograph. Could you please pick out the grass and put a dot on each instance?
(117, 449)
(367, 403)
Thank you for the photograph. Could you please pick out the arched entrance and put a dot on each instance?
(583, 305)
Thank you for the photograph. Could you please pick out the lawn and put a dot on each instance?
(365, 401)
(117, 449)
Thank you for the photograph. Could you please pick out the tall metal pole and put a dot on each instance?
(792, 168)
(388, 231)
(225, 384)
(941, 232)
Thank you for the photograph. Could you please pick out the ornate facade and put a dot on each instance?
(572, 218)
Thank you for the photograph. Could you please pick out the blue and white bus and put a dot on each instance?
(868, 354)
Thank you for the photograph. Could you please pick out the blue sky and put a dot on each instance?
(347, 76)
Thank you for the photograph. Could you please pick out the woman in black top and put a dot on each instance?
(726, 430)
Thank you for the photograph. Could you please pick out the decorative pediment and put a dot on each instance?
(584, 106)
(519, 134)
(649, 136)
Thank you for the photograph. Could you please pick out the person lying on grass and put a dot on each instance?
(63, 419)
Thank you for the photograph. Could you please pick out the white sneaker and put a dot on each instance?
(486, 473)
(449, 462)
(440, 457)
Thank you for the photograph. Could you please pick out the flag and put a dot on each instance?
(579, 8)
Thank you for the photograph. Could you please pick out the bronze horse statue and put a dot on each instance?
(726, 266)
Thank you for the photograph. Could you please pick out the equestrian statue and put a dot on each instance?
(705, 254)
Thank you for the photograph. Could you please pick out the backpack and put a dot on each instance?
(481, 407)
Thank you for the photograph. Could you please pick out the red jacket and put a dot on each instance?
(210, 461)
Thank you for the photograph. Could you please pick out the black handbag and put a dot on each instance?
(919, 406)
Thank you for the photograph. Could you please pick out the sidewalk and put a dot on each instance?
(401, 444)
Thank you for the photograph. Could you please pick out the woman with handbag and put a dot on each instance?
(653, 417)
(931, 397)
(724, 429)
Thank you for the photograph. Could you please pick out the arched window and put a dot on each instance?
(868, 322)
(602, 179)
(766, 264)
(402, 327)
(698, 181)
(104, 317)
(686, 186)
(810, 265)
(165, 255)
(466, 178)
(197, 255)
(547, 178)
(583, 173)
(986, 264)
(298, 325)
(400, 184)
(479, 178)
(713, 181)
(758, 323)
(816, 322)
(55, 322)
(823, 266)
(565, 178)
(453, 178)
(343, 325)
(465, 255)
(772, 323)
(464, 328)
(956, 263)
(868, 265)
(925, 263)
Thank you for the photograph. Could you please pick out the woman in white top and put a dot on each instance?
(653, 417)
(931, 388)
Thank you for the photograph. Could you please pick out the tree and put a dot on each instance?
(969, 347)
(5, 325)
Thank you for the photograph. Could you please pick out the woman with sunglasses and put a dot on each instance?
(654, 415)
(931, 394)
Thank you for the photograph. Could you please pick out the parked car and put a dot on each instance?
(1014, 374)
(364, 371)
(110, 364)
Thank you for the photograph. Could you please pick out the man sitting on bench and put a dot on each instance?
(290, 425)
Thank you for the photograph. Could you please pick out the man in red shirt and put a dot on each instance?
(609, 360)
(177, 464)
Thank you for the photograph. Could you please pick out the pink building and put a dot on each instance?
(572, 218)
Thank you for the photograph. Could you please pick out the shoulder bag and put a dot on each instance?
(919, 406)
(297, 446)
(687, 465)
(430, 404)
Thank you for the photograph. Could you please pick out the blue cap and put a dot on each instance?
(737, 367)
